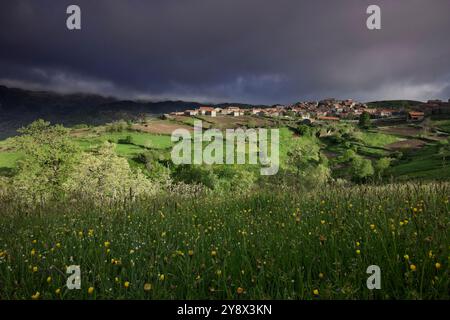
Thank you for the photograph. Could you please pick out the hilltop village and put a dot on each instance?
(325, 110)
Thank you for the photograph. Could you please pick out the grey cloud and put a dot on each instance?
(235, 50)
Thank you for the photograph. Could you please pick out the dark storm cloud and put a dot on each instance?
(256, 51)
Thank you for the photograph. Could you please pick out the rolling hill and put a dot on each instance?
(19, 107)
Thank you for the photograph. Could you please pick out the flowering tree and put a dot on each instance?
(104, 176)
(49, 157)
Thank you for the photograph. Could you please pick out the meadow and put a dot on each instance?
(263, 245)
(146, 229)
(419, 160)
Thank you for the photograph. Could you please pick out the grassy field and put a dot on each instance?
(377, 139)
(9, 159)
(420, 160)
(267, 245)
(158, 126)
(422, 164)
(269, 239)
(140, 142)
(140, 139)
(443, 125)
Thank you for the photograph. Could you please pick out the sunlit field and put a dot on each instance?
(265, 245)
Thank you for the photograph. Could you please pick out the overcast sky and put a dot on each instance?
(255, 51)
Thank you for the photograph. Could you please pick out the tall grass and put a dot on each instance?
(265, 245)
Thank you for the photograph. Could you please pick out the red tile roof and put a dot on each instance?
(204, 108)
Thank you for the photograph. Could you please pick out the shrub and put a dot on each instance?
(381, 165)
(361, 168)
(235, 179)
(364, 120)
(128, 140)
(4, 187)
(195, 174)
(117, 126)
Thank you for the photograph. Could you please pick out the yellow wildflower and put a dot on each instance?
(147, 287)
(36, 295)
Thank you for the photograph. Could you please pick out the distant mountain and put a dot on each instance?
(19, 107)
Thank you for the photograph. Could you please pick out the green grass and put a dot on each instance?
(424, 164)
(443, 125)
(141, 142)
(376, 139)
(273, 245)
(372, 152)
(9, 159)
(370, 144)
(289, 141)
(421, 164)
(278, 242)
(139, 139)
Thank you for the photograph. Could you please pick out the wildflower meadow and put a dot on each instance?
(262, 245)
